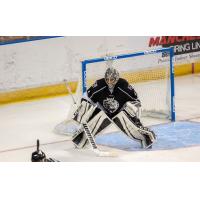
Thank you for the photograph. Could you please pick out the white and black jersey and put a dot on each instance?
(112, 101)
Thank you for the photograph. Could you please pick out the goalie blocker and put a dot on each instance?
(126, 120)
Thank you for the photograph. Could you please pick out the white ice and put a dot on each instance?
(21, 124)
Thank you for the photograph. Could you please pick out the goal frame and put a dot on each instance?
(169, 50)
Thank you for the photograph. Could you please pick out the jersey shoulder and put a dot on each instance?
(122, 83)
(98, 85)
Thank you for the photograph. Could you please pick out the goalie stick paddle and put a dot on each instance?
(89, 135)
(93, 144)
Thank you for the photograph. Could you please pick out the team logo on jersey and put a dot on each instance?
(110, 104)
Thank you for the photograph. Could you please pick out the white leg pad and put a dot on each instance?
(84, 111)
(128, 127)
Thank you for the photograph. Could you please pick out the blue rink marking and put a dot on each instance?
(169, 136)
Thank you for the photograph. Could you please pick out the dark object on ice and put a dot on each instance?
(39, 156)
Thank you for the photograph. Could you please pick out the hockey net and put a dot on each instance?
(150, 73)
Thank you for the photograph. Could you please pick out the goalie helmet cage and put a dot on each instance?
(150, 72)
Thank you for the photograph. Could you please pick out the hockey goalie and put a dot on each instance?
(111, 100)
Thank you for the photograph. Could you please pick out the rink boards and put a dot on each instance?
(60, 88)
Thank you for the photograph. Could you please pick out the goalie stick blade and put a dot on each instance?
(104, 153)
(51, 160)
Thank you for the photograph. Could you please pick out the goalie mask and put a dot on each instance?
(111, 77)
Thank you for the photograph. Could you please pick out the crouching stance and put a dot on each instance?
(111, 100)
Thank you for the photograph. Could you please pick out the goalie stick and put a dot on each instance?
(93, 144)
(88, 133)
(70, 92)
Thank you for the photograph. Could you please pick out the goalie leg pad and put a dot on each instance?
(133, 108)
(84, 111)
(134, 129)
(97, 124)
(150, 137)
(123, 121)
